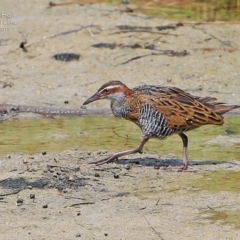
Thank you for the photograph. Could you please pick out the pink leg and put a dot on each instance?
(115, 156)
(185, 152)
(185, 162)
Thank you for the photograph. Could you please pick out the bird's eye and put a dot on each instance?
(106, 91)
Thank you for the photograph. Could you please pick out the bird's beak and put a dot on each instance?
(93, 98)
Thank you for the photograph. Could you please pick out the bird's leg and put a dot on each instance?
(115, 156)
(185, 152)
(185, 155)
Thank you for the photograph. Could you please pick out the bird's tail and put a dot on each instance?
(218, 107)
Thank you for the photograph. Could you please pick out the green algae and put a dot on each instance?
(112, 134)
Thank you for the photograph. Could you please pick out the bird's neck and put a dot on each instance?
(119, 106)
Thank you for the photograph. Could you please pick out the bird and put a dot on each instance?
(159, 111)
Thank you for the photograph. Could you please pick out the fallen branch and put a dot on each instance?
(49, 111)
(170, 53)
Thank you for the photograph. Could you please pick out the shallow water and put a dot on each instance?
(112, 134)
(224, 217)
(204, 10)
(218, 181)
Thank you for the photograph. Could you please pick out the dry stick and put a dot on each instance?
(52, 4)
(8, 108)
(77, 204)
(143, 31)
(14, 192)
(225, 43)
(71, 197)
(134, 58)
(215, 49)
(58, 166)
(162, 52)
(153, 228)
(72, 31)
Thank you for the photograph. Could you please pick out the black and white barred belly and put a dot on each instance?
(153, 123)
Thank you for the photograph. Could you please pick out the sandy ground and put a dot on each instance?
(71, 199)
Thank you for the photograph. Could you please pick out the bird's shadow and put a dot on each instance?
(21, 183)
(158, 163)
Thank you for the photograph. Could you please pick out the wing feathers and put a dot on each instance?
(182, 110)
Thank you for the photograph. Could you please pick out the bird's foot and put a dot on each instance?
(178, 169)
(108, 159)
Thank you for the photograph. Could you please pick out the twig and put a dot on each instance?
(157, 201)
(225, 43)
(8, 108)
(158, 234)
(78, 204)
(64, 167)
(210, 208)
(72, 31)
(52, 4)
(11, 193)
(133, 59)
(22, 45)
(170, 53)
(142, 31)
(70, 197)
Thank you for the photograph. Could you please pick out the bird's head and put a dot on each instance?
(113, 90)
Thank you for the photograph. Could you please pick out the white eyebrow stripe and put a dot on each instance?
(109, 87)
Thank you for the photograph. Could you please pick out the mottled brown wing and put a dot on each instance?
(183, 111)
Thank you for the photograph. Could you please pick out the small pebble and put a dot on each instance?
(78, 235)
(13, 170)
(25, 161)
(30, 187)
(66, 102)
(19, 201)
(105, 234)
(116, 175)
(44, 152)
(71, 178)
(97, 175)
(127, 167)
(66, 57)
(45, 206)
(61, 177)
(76, 169)
(32, 196)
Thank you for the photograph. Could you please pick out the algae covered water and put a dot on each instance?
(112, 134)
